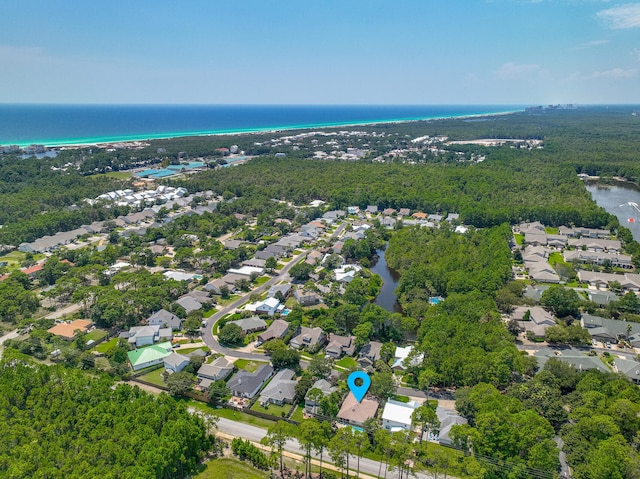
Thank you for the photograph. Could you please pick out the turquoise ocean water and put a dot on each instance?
(56, 125)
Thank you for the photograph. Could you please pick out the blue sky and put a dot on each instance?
(320, 51)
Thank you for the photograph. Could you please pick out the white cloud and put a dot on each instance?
(636, 54)
(517, 71)
(616, 73)
(593, 43)
(624, 16)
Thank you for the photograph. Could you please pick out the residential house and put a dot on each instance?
(219, 369)
(403, 358)
(389, 222)
(602, 298)
(556, 241)
(149, 356)
(277, 330)
(628, 368)
(451, 217)
(306, 298)
(339, 345)
(284, 289)
(397, 415)
(314, 257)
(164, 318)
(247, 271)
(246, 385)
(435, 218)
(308, 338)
(579, 361)
(70, 330)
(269, 306)
(447, 418)
(347, 273)
(250, 325)
(255, 263)
(539, 319)
(404, 212)
(356, 413)
(388, 212)
(272, 251)
(371, 209)
(323, 385)
(280, 390)
(595, 244)
(189, 303)
(369, 354)
(599, 258)
(628, 281)
(175, 362)
(536, 263)
(610, 330)
(142, 335)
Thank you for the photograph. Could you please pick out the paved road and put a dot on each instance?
(283, 275)
(207, 336)
(575, 351)
(237, 429)
(11, 335)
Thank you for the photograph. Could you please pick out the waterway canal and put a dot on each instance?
(617, 199)
(390, 278)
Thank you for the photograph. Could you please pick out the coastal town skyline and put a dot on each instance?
(494, 52)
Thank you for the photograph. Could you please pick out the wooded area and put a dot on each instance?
(63, 423)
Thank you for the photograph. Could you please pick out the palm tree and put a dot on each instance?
(425, 417)
(321, 440)
(277, 435)
(360, 441)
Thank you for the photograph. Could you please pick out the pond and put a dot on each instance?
(390, 278)
(622, 200)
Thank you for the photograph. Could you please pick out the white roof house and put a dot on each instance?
(397, 415)
(401, 355)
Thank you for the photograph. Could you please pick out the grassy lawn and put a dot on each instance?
(291, 302)
(15, 259)
(519, 239)
(550, 230)
(155, 377)
(107, 346)
(555, 257)
(95, 334)
(278, 411)
(248, 365)
(209, 313)
(102, 364)
(228, 468)
(229, 414)
(229, 300)
(347, 362)
(190, 350)
(261, 280)
(297, 414)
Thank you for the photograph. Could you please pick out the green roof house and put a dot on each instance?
(149, 356)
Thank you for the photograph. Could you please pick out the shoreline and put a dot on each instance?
(81, 143)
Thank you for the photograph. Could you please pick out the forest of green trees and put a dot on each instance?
(63, 423)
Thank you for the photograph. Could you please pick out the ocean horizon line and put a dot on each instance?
(463, 111)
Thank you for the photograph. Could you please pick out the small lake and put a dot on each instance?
(616, 200)
(390, 278)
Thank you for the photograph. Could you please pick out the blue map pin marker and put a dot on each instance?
(358, 391)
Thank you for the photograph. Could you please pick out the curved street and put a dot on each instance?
(283, 275)
(212, 342)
